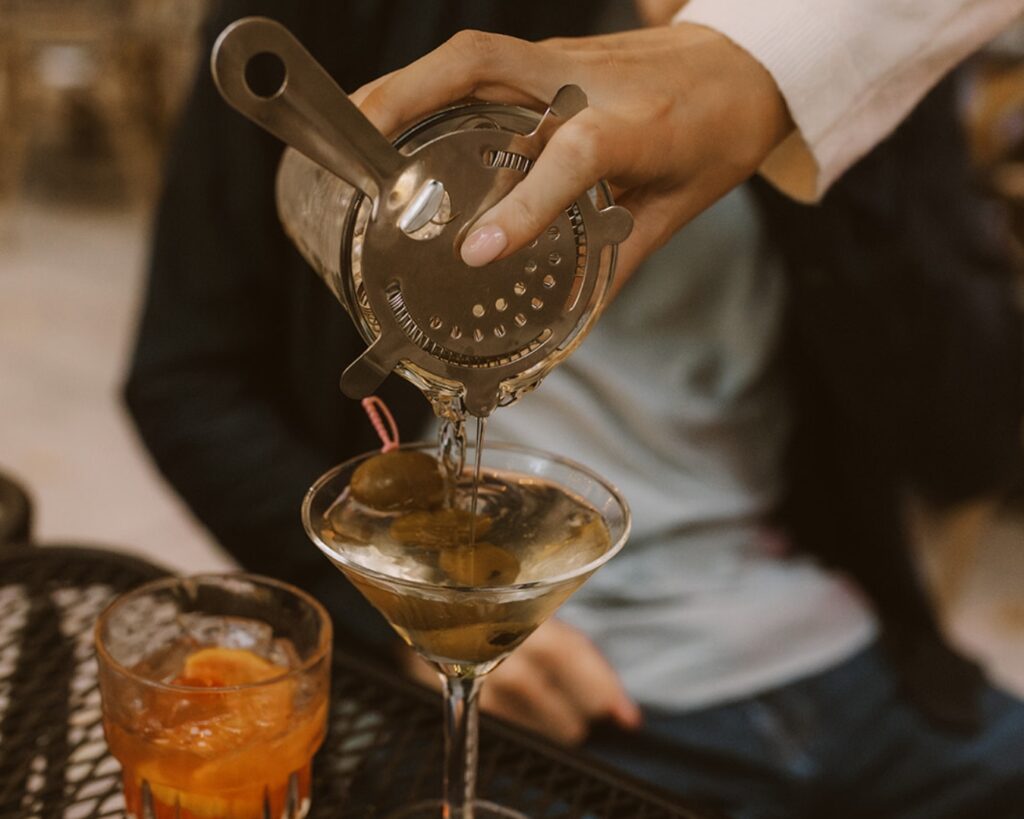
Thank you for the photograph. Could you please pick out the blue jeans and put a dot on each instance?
(842, 743)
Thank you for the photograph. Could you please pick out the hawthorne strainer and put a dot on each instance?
(383, 223)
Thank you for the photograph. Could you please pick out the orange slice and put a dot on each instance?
(216, 667)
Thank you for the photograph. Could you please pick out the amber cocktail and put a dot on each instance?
(215, 694)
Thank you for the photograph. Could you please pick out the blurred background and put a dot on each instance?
(89, 92)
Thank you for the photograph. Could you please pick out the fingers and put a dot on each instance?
(360, 94)
(580, 153)
(557, 683)
(524, 696)
(501, 69)
(656, 217)
(591, 684)
(653, 225)
(374, 98)
(419, 669)
(459, 68)
(519, 692)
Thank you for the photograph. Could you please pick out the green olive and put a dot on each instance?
(477, 642)
(402, 479)
(439, 528)
(482, 564)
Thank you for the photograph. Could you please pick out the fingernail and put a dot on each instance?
(630, 715)
(483, 245)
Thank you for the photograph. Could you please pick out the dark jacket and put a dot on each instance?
(904, 353)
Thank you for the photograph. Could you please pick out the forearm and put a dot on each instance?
(849, 71)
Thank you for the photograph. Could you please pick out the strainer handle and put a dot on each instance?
(308, 110)
(364, 375)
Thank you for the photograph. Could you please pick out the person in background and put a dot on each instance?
(766, 367)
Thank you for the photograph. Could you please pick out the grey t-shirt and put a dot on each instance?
(676, 397)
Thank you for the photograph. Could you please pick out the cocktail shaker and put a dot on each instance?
(382, 224)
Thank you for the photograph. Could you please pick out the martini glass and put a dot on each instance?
(465, 590)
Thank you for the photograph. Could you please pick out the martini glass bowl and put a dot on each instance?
(543, 525)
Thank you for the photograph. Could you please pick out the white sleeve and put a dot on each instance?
(849, 70)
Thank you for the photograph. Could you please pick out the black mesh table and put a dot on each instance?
(383, 745)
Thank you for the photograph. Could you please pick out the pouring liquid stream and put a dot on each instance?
(451, 453)
(481, 427)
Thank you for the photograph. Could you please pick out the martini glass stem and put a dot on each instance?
(461, 729)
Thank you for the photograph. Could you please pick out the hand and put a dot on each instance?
(678, 116)
(657, 12)
(556, 683)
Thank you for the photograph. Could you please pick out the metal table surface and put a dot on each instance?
(383, 745)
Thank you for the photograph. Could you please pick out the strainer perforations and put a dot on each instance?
(418, 337)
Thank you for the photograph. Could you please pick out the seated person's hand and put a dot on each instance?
(556, 683)
(678, 116)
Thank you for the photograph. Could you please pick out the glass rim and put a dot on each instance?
(424, 585)
(321, 653)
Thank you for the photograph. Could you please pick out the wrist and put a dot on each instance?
(751, 104)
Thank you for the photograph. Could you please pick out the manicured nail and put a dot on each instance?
(483, 245)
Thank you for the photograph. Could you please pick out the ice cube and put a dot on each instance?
(228, 632)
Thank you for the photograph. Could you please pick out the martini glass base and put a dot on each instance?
(434, 809)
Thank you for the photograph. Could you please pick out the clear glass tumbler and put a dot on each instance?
(215, 692)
